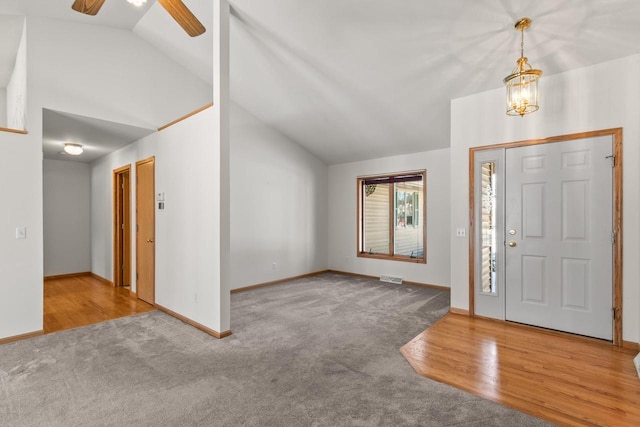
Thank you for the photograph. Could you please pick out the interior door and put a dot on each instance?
(145, 235)
(558, 232)
(122, 226)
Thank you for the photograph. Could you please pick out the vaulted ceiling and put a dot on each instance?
(352, 80)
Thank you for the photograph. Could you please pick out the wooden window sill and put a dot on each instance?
(402, 258)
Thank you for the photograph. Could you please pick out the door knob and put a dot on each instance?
(512, 243)
(149, 240)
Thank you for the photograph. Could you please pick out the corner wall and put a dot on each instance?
(590, 98)
(343, 227)
(278, 205)
(187, 232)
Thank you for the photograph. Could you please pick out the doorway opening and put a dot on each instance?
(122, 226)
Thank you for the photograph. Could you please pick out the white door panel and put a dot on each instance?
(559, 262)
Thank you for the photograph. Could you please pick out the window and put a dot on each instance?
(391, 212)
(488, 227)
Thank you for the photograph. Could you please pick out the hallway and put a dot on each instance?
(71, 302)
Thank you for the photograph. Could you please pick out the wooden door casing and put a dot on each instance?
(122, 226)
(616, 135)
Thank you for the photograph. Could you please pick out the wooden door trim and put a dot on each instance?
(616, 133)
(118, 258)
(186, 116)
(139, 163)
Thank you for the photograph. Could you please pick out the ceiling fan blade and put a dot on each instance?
(183, 16)
(88, 7)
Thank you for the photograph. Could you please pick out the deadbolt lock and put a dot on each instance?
(512, 232)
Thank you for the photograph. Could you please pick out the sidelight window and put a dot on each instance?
(488, 228)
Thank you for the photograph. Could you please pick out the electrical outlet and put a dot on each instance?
(636, 362)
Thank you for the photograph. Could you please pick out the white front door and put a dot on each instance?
(558, 233)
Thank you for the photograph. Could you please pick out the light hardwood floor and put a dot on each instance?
(564, 379)
(71, 302)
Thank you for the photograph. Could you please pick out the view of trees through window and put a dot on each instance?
(391, 213)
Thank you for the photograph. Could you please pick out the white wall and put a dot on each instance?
(278, 205)
(109, 74)
(342, 217)
(187, 232)
(3, 107)
(17, 87)
(66, 210)
(94, 71)
(20, 260)
(592, 98)
(220, 308)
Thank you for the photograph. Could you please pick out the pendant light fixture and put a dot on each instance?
(522, 83)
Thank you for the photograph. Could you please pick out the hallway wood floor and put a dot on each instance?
(71, 302)
(564, 379)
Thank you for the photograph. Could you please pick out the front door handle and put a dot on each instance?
(512, 244)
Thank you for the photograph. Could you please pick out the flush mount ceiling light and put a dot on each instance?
(522, 83)
(73, 149)
(137, 2)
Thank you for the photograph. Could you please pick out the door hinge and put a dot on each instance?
(122, 268)
(137, 277)
(137, 228)
(613, 238)
(123, 226)
(615, 312)
(613, 160)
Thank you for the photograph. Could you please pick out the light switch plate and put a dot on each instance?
(461, 232)
(21, 232)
